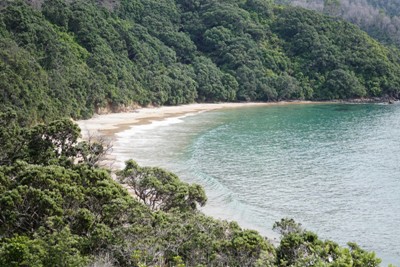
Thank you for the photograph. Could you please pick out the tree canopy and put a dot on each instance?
(64, 59)
(379, 18)
(72, 58)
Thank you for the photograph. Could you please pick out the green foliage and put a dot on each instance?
(54, 140)
(72, 58)
(57, 209)
(287, 226)
(46, 144)
(10, 137)
(379, 18)
(52, 249)
(344, 65)
(21, 251)
(23, 84)
(214, 85)
(342, 84)
(161, 190)
(362, 257)
(299, 247)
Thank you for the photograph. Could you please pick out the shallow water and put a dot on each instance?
(333, 167)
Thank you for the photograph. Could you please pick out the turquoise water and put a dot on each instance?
(333, 167)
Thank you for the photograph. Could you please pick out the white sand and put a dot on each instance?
(105, 127)
(109, 124)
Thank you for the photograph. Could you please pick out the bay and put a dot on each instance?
(332, 167)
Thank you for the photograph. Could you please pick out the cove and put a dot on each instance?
(332, 167)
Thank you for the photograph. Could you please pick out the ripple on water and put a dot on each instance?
(334, 168)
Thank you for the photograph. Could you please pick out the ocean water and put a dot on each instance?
(335, 168)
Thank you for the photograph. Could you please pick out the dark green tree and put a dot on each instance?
(161, 190)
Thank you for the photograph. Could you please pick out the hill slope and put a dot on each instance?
(70, 58)
(380, 18)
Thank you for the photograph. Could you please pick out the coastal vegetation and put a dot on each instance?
(379, 18)
(71, 58)
(68, 59)
(58, 208)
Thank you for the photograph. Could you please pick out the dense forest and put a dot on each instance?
(379, 18)
(70, 58)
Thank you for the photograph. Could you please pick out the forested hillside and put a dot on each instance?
(70, 58)
(390, 7)
(380, 18)
(62, 59)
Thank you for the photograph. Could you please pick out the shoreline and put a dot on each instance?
(108, 125)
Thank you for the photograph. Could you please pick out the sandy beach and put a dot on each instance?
(105, 127)
(110, 124)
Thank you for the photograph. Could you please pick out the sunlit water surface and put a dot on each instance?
(333, 167)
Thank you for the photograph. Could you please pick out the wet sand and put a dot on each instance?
(108, 125)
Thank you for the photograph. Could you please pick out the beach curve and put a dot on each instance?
(109, 124)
